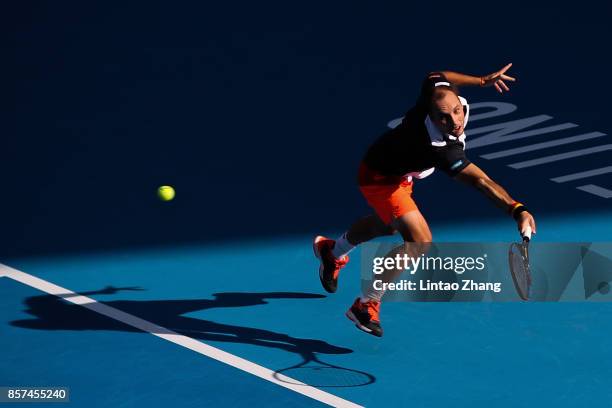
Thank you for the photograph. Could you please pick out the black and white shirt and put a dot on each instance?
(416, 147)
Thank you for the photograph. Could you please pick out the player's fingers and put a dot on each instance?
(533, 225)
(498, 88)
(503, 85)
(508, 78)
(504, 69)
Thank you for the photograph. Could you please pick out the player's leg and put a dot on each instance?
(334, 253)
(368, 228)
(377, 190)
(397, 209)
(413, 227)
(365, 311)
(417, 241)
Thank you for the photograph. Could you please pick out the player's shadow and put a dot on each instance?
(53, 313)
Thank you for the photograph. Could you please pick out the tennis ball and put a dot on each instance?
(165, 193)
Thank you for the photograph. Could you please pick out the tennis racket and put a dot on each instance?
(518, 257)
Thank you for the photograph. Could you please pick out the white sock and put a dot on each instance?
(375, 295)
(342, 247)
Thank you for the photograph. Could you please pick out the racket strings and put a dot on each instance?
(519, 267)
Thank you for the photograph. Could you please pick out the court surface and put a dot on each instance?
(274, 314)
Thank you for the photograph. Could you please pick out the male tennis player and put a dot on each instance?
(430, 136)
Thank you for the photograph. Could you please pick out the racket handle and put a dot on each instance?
(526, 234)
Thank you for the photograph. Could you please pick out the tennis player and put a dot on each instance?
(431, 136)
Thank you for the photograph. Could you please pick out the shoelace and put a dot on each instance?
(373, 309)
(341, 261)
(338, 262)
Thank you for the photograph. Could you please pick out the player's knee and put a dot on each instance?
(422, 237)
(416, 248)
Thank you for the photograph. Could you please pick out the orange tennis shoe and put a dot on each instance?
(330, 265)
(366, 316)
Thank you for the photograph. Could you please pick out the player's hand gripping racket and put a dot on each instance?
(518, 256)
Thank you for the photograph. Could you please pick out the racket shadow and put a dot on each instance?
(314, 372)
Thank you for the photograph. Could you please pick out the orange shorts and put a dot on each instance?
(389, 196)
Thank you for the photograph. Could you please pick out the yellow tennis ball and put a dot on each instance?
(165, 193)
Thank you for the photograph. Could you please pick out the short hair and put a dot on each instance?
(435, 87)
(441, 90)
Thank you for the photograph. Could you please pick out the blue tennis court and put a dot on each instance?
(258, 115)
(470, 353)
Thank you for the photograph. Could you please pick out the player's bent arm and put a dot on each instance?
(474, 176)
(462, 79)
(497, 79)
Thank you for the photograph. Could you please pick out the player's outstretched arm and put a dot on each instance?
(475, 177)
(496, 79)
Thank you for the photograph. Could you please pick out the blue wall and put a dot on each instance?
(257, 113)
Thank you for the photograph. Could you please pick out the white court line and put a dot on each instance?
(173, 337)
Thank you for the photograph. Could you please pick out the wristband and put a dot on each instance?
(513, 207)
(516, 212)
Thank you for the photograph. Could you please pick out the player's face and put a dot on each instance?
(447, 114)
